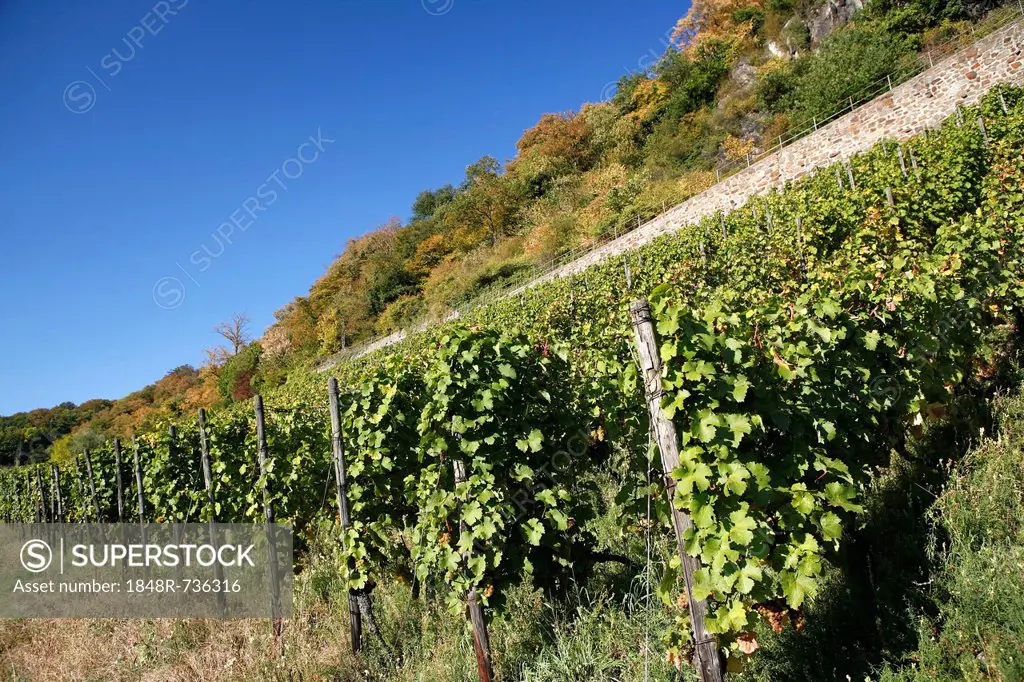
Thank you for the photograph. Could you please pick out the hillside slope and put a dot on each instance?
(808, 338)
(741, 73)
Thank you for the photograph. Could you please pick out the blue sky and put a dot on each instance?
(133, 131)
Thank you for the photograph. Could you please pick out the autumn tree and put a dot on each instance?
(564, 138)
(732, 20)
(488, 202)
(429, 253)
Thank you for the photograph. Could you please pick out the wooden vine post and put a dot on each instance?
(120, 480)
(79, 486)
(57, 493)
(481, 642)
(337, 447)
(138, 481)
(204, 462)
(40, 510)
(172, 457)
(92, 485)
(46, 502)
(707, 659)
(53, 498)
(268, 517)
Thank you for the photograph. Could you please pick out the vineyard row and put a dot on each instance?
(798, 340)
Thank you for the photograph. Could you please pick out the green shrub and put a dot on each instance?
(850, 61)
(236, 380)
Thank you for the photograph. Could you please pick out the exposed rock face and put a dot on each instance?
(743, 74)
(797, 36)
(922, 102)
(823, 20)
(777, 51)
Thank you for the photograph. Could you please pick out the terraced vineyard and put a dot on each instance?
(802, 336)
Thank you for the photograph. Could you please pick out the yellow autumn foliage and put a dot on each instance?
(710, 20)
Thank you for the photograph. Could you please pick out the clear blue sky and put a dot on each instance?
(116, 167)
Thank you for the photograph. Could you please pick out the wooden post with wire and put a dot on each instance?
(53, 497)
(56, 491)
(92, 485)
(42, 498)
(707, 657)
(46, 514)
(481, 641)
(118, 466)
(138, 482)
(80, 487)
(204, 463)
(337, 448)
(276, 623)
(172, 457)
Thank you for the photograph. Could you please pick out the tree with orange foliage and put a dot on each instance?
(563, 138)
(728, 20)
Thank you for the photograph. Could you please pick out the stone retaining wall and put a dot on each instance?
(922, 102)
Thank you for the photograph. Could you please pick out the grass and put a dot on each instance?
(976, 631)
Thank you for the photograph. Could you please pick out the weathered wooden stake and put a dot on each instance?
(120, 480)
(707, 659)
(1002, 101)
(172, 457)
(849, 174)
(839, 178)
(268, 517)
(903, 164)
(46, 515)
(984, 133)
(78, 479)
(138, 481)
(337, 447)
(888, 196)
(204, 461)
(481, 642)
(53, 498)
(913, 164)
(92, 485)
(60, 497)
(37, 502)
